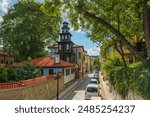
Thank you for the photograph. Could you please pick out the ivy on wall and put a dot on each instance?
(135, 77)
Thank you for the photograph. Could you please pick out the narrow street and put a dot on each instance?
(77, 92)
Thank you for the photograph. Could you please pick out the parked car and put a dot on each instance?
(96, 71)
(97, 78)
(92, 90)
(96, 75)
(94, 81)
(96, 98)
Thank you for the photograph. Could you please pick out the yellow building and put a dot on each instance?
(87, 63)
(138, 42)
(129, 57)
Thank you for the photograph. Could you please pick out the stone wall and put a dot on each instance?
(41, 91)
(131, 95)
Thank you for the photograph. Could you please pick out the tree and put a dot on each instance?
(96, 63)
(100, 19)
(29, 26)
(146, 24)
(3, 74)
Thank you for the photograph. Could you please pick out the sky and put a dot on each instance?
(78, 37)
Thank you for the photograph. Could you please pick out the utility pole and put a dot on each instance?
(57, 79)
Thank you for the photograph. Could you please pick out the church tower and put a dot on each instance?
(65, 45)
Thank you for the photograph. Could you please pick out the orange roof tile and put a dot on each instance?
(47, 61)
(3, 53)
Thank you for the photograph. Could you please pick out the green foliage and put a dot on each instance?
(96, 63)
(21, 73)
(26, 72)
(12, 75)
(135, 77)
(126, 12)
(106, 18)
(111, 63)
(3, 74)
(29, 26)
(119, 78)
(105, 46)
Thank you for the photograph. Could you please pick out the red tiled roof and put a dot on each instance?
(3, 53)
(47, 61)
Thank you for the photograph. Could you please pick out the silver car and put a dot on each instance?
(92, 90)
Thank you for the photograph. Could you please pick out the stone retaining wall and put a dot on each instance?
(131, 95)
(43, 90)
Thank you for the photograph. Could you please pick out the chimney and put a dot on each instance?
(57, 58)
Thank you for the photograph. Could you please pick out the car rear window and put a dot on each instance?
(92, 89)
(95, 82)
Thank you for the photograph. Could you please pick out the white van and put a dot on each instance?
(92, 90)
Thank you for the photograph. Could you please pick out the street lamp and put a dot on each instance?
(57, 79)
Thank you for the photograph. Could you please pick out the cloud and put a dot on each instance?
(93, 51)
(4, 4)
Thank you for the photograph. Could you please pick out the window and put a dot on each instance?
(2, 61)
(68, 59)
(60, 47)
(50, 71)
(72, 70)
(92, 89)
(67, 72)
(69, 37)
(79, 55)
(7, 62)
(67, 47)
(42, 71)
(66, 37)
(62, 37)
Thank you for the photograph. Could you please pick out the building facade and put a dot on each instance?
(65, 45)
(69, 51)
(53, 66)
(5, 59)
(138, 43)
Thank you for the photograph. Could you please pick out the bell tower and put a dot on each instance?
(65, 45)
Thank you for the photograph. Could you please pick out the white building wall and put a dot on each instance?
(68, 78)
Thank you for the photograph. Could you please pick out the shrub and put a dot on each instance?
(135, 77)
(11, 74)
(109, 64)
(3, 74)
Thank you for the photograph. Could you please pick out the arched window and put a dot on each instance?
(66, 36)
(62, 37)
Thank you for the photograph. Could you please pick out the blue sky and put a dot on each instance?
(79, 37)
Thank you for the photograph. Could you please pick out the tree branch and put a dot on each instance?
(118, 35)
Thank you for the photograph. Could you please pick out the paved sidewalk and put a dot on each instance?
(65, 91)
(105, 90)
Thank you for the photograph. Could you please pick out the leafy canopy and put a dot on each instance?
(29, 26)
(124, 12)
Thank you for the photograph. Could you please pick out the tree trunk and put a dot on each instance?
(122, 54)
(118, 35)
(146, 25)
